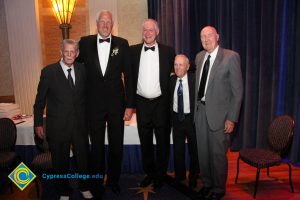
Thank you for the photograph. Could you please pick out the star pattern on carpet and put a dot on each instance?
(144, 190)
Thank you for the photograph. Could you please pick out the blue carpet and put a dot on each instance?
(129, 190)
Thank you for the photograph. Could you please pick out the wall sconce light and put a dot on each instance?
(63, 10)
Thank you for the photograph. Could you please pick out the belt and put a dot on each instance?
(149, 99)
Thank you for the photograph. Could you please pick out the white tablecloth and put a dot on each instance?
(25, 135)
(132, 162)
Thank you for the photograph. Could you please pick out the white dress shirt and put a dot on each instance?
(65, 69)
(103, 52)
(186, 95)
(148, 85)
(213, 56)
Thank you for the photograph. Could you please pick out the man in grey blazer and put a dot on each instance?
(219, 93)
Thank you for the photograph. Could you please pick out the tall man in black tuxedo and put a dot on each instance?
(182, 87)
(106, 58)
(62, 90)
(152, 64)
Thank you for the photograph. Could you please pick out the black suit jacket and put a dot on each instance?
(191, 82)
(166, 62)
(64, 107)
(107, 92)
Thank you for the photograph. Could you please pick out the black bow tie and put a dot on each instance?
(147, 48)
(104, 40)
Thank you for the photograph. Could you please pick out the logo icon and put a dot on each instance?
(21, 176)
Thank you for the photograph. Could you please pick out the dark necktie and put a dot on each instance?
(70, 79)
(180, 111)
(203, 79)
(147, 48)
(104, 40)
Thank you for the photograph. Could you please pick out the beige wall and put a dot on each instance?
(131, 15)
(6, 81)
(51, 35)
(129, 19)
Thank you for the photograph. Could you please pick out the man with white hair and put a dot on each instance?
(152, 63)
(109, 99)
(62, 91)
(219, 94)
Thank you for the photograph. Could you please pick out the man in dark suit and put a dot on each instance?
(152, 64)
(62, 90)
(182, 87)
(106, 58)
(219, 86)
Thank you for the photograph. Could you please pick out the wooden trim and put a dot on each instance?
(7, 99)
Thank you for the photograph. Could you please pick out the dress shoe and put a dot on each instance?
(146, 181)
(157, 184)
(64, 198)
(215, 196)
(115, 188)
(86, 194)
(97, 192)
(204, 192)
(193, 182)
(178, 182)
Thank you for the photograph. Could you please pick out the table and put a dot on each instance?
(132, 162)
(25, 134)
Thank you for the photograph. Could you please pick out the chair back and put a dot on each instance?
(8, 134)
(280, 133)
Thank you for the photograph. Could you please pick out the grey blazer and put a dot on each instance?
(224, 91)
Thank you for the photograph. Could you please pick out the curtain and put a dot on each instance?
(266, 34)
(173, 23)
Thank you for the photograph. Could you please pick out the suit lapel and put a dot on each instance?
(160, 52)
(200, 64)
(138, 57)
(61, 77)
(173, 84)
(77, 76)
(190, 88)
(109, 61)
(94, 52)
(215, 66)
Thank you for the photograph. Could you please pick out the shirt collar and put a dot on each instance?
(100, 37)
(213, 54)
(64, 66)
(184, 78)
(155, 45)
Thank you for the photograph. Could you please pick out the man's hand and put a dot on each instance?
(229, 126)
(39, 131)
(128, 114)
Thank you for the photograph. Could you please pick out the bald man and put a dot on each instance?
(219, 93)
(182, 85)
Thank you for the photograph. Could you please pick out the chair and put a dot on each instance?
(8, 136)
(280, 134)
(41, 162)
